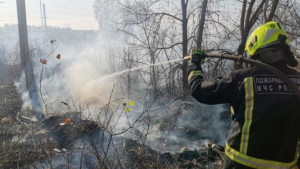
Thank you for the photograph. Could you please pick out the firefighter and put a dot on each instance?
(265, 112)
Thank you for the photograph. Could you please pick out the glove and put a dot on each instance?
(198, 57)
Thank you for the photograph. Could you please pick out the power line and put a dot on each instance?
(71, 8)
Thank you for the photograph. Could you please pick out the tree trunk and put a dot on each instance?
(248, 19)
(184, 4)
(201, 24)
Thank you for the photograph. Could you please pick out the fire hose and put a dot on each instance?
(259, 64)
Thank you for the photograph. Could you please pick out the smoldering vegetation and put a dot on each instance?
(98, 114)
(115, 123)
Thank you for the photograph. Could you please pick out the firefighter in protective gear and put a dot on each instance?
(266, 113)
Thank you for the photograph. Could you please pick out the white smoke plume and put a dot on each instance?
(85, 60)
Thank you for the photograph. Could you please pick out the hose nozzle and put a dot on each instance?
(187, 57)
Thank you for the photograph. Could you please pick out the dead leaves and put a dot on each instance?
(58, 56)
(132, 103)
(127, 109)
(5, 120)
(65, 122)
(126, 106)
(66, 104)
(43, 61)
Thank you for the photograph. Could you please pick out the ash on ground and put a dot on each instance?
(180, 137)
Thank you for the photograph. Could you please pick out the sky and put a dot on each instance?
(75, 14)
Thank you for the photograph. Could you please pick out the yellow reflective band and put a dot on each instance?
(256, 162)
(232, 110)
(249, 104)
(195, 73)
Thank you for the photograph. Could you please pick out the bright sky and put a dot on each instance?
(76, 14)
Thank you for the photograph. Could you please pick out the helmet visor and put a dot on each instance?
(272, 55)
(277, 52)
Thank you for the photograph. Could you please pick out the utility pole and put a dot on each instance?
(26, 61)
(1, 20)
(45, 18)
(41, 9)
(1, 3)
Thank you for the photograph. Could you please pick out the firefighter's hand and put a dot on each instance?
(198, 56)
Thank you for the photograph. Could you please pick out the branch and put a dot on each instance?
(166, 14)
(169, 47)
(256, 13)
(273, 9)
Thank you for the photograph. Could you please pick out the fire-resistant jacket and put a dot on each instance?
(265, 114)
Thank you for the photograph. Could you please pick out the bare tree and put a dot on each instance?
(153, 18)
(288, 15)
(105, 13)
(249, 16)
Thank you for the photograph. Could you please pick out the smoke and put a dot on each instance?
(188, 123)
(83, 59)
(78, 74)
(85, 79)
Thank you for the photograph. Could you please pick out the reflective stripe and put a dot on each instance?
(256, 162)
(249, 104)
(195, 73)
(232, 110)
(269, 34)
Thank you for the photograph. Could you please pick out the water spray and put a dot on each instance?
(259, 64)
(239, 58)
(94, 82)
